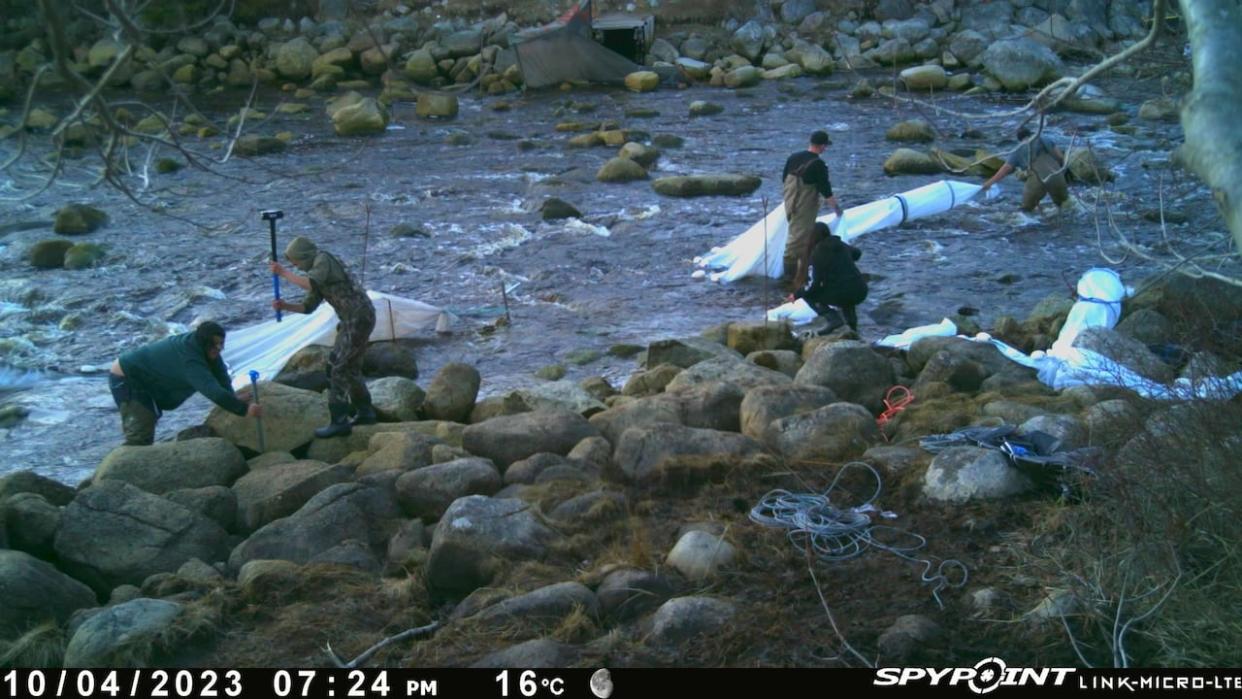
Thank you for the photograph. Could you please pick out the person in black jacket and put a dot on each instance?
(833, 279)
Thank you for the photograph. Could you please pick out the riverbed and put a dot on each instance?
(472, 187)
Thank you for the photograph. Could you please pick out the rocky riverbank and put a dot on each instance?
(582, 523)
(598, 513)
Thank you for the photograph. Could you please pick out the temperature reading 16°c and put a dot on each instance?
(529, 684)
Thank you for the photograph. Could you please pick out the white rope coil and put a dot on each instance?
(836, 533)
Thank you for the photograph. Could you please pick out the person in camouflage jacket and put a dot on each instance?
(327, 279)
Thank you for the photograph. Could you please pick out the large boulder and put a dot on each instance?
(431, 106)
(452, 393)
(968, 45)
(277, 491)
(397, 398)
(712, 405)
(296, 59)
(765, 404)
(166, 466)
(739, 372)
(834, 432)
(54, 492)
(511, 438)
(347, 511)
(35, 592)
(290, 416)
(627, 594)
(477, 536)
(428, 492)
(682, 620)
(335, 449)
(916, 130)
(686, 352)
(815, 60)
(639, 153)
(749, 40)
(215, 502)
(114, 533)
(962, 474)
(364, 117)
(397, 451)
(642, 81)
(1126, 351)
(76, 219)
(540, 610)
(854, 371)
(906, 161)
(745, 76)
(1021, 63)
(986, 18)
(130, 634)
(31, 522)
(892, 52)
(560, 395)
(678, 454)
(718, 184)
(654, 410)
(421, 67)
(48, 254)
(621, 170)
(699, 555)
(925, 78)
(466, 42)
(1086, 166)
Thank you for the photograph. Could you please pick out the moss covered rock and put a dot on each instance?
(76, 219)
(84, 255)
(49, 254)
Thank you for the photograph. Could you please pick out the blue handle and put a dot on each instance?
(276, 291)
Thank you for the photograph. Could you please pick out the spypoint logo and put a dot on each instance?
(984, 677)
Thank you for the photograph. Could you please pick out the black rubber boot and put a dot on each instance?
(365, 415)
(339, 426)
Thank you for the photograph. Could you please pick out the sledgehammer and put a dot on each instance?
(271, 216)
(254, 390)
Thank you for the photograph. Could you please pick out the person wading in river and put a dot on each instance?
(162, 375)
(327, 280)
(805, 181)
(1045, 164)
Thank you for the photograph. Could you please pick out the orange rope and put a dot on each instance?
(894, 404)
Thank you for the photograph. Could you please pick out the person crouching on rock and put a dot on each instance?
(327, 280)
(162, 375)
(832, 279)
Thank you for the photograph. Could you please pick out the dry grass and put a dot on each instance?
(41, 646)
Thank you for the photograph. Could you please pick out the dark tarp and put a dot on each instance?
(564, 51)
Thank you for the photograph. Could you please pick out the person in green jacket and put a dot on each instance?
(162, 375)
(327, 279)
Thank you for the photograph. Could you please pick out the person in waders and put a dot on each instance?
(327, 280)
(805, 182)
(162, 375)
(1045, 165)
(833, 281)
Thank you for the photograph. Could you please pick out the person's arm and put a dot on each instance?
(1001, 174)
(855, 253)
(291, 277)
(824, 185)
(309, 302)
(200, 376)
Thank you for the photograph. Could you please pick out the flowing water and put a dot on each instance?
(621, 275)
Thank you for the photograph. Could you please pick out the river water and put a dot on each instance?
(621, 275)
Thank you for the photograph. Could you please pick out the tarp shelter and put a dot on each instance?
(744, 256)
(267, 346)
(565, 51)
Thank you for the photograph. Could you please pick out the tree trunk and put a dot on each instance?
(1213, 147)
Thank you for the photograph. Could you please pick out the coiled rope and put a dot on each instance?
(838, 533)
